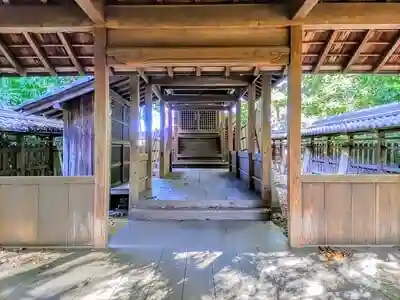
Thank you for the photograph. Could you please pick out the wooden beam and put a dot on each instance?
(251, 127)
(331, 39)
(156, 88)
(238, 131)
(40, 53)
(199, 99)
(197, 107)
(388, 53)
(349, 16)
(359, 49)
(149, 134)
(303, 8)
(194, 81)
(43, 18)
(102, 140)
(11, 58)
(134, 124)
(71, 53)
(266, 142)
(182, 56)
(294, 138)
(94, 9)
(162, 139)
(201, 16)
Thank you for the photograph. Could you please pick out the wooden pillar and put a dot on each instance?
(21, 163)
(251, 122)
(51, 156)
(294, 138)
(149, 134)
(134, 124)
(169, 141)
(238, 131)
(230, 138)
(162, 138)
(380, 153)
(266, 146)
(102, 140)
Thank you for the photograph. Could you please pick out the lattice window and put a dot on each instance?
(188, 120)
(208, 120)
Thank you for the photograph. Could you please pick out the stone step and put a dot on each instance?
(199, 214)
(198, 204)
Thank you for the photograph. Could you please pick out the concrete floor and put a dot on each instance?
(226, 266)
(196, 184)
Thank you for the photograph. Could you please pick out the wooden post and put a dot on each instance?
(230, 138)
(134, 123)
(22, 155)
(51, 156)
(169, 142)
(162, 138)
(266, 148)
(149, 134)
(294, 138)
(238, 131)
(102, 141)
(251, 122)
(380, 150)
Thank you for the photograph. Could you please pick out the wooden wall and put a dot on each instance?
(351, 209)
(78, 152)
(46, 211)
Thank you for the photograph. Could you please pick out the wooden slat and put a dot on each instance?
(40, 53)
(338, 209)
(359, 49)
(94, 9)
(363, 213)
(387, 214)
(134, 114)
(11, 58)
(326, 50)
(71, 53)
(388, 53)
(313, 209)
(102, 137)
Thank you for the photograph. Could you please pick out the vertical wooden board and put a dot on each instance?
(19, 214)
(53, 214)
(363, 198)
(338, 213)
(313, 210)
(387, 213)
(80, 214)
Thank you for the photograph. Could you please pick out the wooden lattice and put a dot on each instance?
(198, 120)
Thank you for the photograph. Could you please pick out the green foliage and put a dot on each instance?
(326, 95)
(17, 90)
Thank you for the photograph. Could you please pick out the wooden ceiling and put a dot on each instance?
(156, 38)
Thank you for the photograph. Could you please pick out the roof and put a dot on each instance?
(45, 105)
(37, 37)
(15, 122)
(370, 119)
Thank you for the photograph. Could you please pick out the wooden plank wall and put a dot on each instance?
(46, 211)
(244, 165)
(233, 161)
(351, 210)
(78, 151)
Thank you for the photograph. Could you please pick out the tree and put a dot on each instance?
(17, 90)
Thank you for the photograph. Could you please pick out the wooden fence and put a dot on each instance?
(46, 211)
(350, 210)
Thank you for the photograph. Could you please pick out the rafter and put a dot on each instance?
(40, 53)
(200, 81)
(94, 9)
(71, 53)
(303, 8)
(389, 52)
(326, 50)
(11, 58)
(359, 49)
